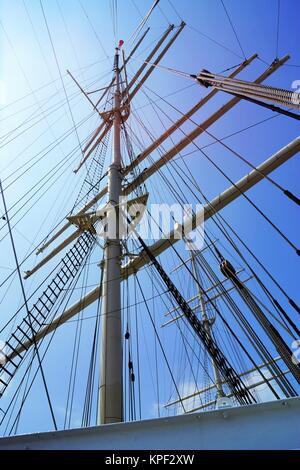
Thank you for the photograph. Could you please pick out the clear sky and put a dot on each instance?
(30, 76)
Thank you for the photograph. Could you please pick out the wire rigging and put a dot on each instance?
(160, 343)
(233, 29)
(60, 74)
(278, 25)
(279, 231)
(206, 36)
(292, 303)
(93, 29)
(27, 310)
(230, 149)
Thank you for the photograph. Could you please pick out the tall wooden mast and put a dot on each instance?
(110, 389)
(207, 325)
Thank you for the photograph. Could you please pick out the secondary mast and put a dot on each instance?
(207, 323)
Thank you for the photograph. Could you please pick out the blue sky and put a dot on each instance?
(27, 64)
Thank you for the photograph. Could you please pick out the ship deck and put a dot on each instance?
(271, 425)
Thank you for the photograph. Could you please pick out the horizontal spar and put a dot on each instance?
(223, 199)
(200, 129)
(68, 224)
(157, 61)
(212, 386)
(150, 56)
(53, 253)
(218, 203)
(182, 120)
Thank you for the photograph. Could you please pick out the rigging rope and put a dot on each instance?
(286, 192)
(93, 29)
(29, 315)
(233, 29)
(160, 343)
(242, 193)
(12, 401)
(60, 74)
(249, 89)
(292, 303)
(214, 41)
(278, 24)
(284, 97)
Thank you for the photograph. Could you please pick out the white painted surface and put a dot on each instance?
(273, 425)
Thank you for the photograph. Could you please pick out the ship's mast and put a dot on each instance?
(110, 394)
(110, 401)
